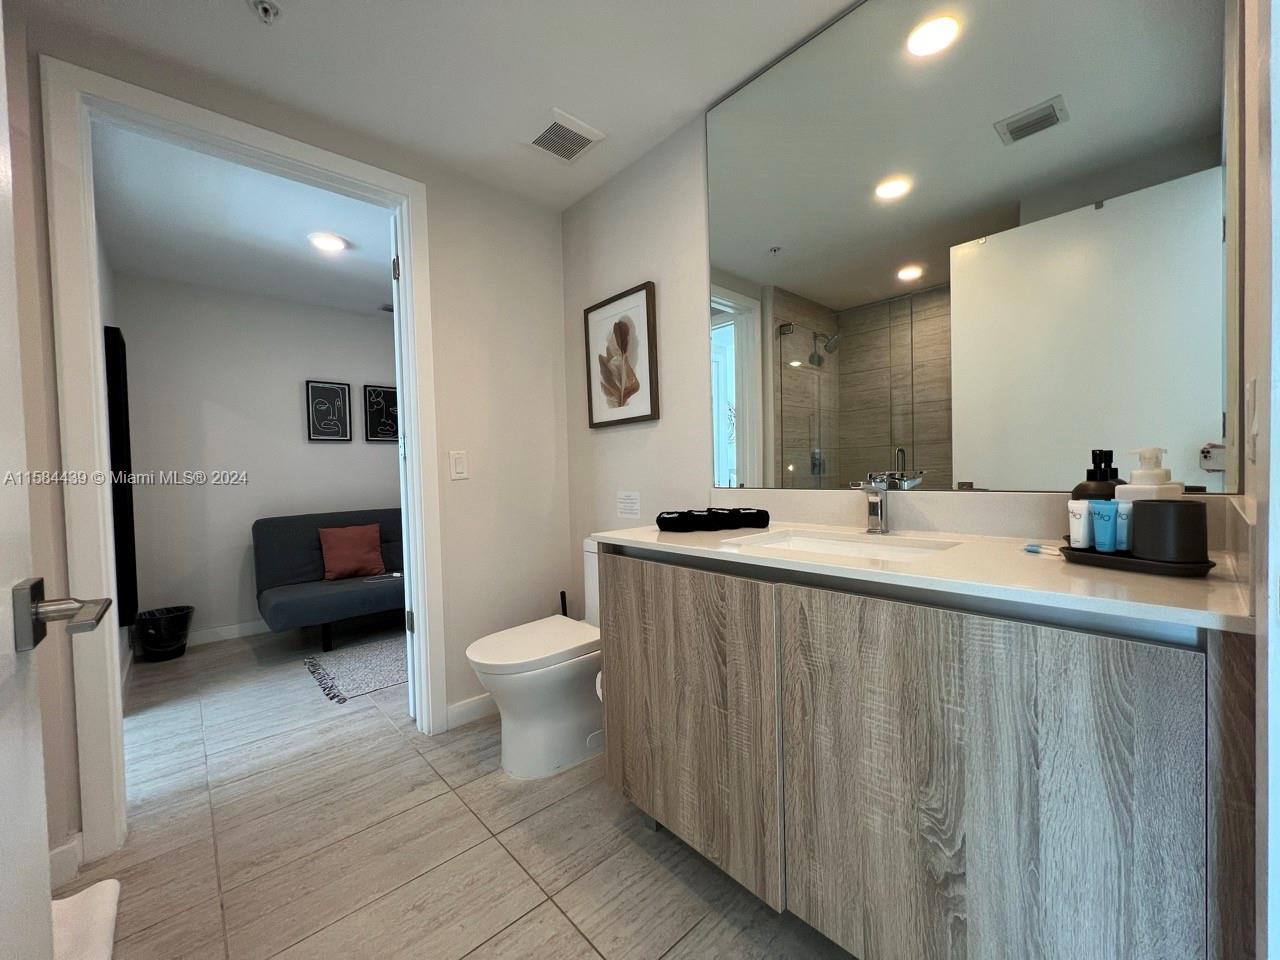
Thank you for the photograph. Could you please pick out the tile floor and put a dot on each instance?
(267, 821)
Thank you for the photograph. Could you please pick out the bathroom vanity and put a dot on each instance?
(960, 751)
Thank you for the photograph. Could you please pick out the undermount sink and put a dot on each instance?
(831, 542)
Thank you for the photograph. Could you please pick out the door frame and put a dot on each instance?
(72, 96)
(749, 369)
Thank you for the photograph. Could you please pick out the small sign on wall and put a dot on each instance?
(629, 504)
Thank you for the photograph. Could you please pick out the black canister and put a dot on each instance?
(1171, 531)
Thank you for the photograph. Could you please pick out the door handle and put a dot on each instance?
(32, 612)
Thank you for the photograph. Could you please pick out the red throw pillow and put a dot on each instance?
(352, 551)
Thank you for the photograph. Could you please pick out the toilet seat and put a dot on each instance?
(532, 646)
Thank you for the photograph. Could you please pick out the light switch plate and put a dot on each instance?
(458, 466)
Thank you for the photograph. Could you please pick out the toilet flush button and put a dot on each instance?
(458, 467)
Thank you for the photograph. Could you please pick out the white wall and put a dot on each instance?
(647, 223)
(1095, 328)
(497, 313)
(216, 382)
(496, 303)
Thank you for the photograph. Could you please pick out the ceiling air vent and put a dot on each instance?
(566, 137)
(1029, 122)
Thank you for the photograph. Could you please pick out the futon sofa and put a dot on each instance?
(288, 567)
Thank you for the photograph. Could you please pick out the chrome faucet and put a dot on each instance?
(877, 487)
(877, 509)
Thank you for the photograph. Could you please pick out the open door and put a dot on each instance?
(25, 919)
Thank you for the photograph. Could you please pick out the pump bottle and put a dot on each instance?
(1151, 480)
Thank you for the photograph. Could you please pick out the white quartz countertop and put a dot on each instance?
(988, 568)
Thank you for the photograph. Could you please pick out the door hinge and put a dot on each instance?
(395, 268)
(408, 620)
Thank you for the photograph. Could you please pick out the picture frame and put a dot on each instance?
(381, 414)
(328, 411)
(622, 358)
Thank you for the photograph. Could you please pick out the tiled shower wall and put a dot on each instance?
(895, 387)
(806, 398)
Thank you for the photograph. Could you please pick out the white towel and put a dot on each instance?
(84, 924)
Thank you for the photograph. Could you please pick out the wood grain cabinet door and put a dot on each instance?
(691, 723)
(960, 786)
(873, 738)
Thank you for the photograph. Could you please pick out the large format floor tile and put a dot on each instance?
(155, 889)
(303, 780)
(315, 740)
(501, 800)
(150, 757)
(740, 927)
(465, 753)
(542, 934)
(160, 720)
(559, 844)
(258, 846)
(453, 909)
(269, 914)
(641, 900)
(159, 830)
(268, 821)
(240, 727)
(143, 794)
(394, 702)
(194, 934)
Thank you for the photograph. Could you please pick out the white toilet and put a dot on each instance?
(542, 676)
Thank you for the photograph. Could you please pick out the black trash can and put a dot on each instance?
(161, 634)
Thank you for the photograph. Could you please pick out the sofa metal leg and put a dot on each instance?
(326, 637)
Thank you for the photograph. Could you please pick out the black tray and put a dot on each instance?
(1124, 560)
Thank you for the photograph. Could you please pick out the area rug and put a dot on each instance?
(360, 667)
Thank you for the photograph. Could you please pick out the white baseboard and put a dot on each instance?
(231, 631)
(65, 860)
(476, 708)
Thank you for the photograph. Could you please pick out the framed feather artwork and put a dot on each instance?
(622, 358)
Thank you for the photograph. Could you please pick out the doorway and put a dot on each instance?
(78, 103)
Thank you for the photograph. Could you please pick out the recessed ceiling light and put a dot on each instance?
(796, 363)
(328, 242)
(893, 188)
(933, 36)
(912, 271)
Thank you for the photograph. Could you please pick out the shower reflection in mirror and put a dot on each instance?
(982, 262)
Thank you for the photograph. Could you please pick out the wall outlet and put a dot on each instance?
(459, 469)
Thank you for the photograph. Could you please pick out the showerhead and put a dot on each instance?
(829, 344)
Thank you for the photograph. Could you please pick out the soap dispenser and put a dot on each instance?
(1100, 481)
(1151, 480)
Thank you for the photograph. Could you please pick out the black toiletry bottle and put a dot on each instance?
(1100, 480)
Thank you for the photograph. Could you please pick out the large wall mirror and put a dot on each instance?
(980, 239)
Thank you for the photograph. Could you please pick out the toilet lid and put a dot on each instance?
(532, 646)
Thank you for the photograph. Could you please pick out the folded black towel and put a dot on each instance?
(676, 521)
(751, 517)
(712, 518)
